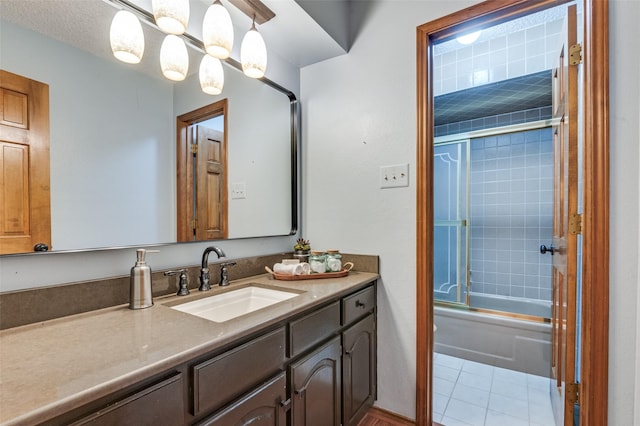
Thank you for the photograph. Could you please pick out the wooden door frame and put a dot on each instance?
(595, 230)
(184, 166)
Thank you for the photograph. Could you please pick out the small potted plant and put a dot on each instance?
(301, 249)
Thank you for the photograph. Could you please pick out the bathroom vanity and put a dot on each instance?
(307, 360)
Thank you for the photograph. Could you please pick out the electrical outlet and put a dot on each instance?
(394, 176)
(238, 190)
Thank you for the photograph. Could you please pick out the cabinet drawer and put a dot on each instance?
(160, 404)
(311, 329)
(265, 405)
(229, 375)
(358, 305)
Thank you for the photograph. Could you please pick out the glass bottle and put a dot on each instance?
(334, 261)
(318, 262)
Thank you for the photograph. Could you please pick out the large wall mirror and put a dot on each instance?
(113, 132)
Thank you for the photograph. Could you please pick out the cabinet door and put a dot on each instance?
(266, 406)
(316, 387)
(359, 370)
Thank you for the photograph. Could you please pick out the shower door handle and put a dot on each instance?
(544, 249)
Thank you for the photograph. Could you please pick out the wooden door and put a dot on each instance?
(25, 206)
(566, 224)
(211, 185)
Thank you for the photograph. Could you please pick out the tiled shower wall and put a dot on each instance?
(516, 53)
(511, 212)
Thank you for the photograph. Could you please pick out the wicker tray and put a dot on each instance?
(284, 277)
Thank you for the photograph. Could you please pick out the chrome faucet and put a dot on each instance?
(204, 270)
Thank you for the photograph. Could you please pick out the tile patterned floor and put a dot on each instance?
(468, 393)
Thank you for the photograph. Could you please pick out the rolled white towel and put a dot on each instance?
(292, 269)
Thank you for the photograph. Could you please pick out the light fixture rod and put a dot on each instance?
(254, 9)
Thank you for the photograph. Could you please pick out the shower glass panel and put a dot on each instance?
(492, 211)
(451, 233)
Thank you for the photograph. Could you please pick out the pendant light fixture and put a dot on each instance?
(217, 31)
(126, 37)
(211, 75)
(253, 53)
(174, 59)
(171, 16)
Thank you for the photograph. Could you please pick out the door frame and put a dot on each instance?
(184, 165)
(595, 228)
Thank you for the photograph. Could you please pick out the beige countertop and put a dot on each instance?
(51, 367)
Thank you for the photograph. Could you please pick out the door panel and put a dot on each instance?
(565, 107)
(25, 206)
(211, 209)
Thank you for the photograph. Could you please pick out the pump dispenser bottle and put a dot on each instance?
(140, 295)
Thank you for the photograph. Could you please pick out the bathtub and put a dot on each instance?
(495, 339)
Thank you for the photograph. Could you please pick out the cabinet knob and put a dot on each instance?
(286, 403)
(359, 304)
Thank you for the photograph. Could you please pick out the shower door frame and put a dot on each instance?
(595, 294)
(461, 223)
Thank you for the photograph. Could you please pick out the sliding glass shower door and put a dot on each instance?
(451, 230)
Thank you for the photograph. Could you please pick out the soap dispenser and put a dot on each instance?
(140, 295)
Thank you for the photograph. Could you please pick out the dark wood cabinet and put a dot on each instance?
(225, 377)
(315, 368)
(265, 406)
(316, 387)
(157, 405)
(358, 370)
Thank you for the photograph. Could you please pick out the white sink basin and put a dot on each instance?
(232, 304)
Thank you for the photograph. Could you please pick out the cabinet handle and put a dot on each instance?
(359, 304)
(286, 403)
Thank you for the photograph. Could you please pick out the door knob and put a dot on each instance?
(544, 249)
(41, 247)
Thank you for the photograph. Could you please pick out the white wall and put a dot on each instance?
(360, 113)
(624, 355)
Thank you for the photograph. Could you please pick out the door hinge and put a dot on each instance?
(194, 148)
(575, 224)
(575, 54)
(572, 391)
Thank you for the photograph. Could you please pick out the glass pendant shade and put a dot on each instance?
(211, 75)
(127, 39)
(174, 59)
(253, 54)
(171, 16)
(217, 31)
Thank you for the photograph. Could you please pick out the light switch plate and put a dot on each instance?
(394, 176)
(238, 190)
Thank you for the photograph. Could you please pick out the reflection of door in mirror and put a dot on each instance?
(202, 173)
(25, 211)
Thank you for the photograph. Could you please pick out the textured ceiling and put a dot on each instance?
(516, 94)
